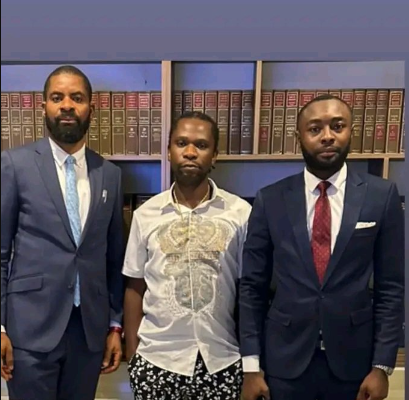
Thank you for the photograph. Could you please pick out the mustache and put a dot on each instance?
(67, 115)
(329, 149)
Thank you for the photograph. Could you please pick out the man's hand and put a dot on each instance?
(375, 386)
(113, 354)
(7, 363)
(254, 386)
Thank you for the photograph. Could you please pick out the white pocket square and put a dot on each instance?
(104, 195)
(364, 225)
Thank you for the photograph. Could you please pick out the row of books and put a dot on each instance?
(378, 118)
(130, 123)
(124, 123)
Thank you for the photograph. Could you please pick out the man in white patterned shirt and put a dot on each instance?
(183, 261)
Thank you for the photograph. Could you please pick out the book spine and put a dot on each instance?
(277, 131)
(118, 123)
(369, 121)
(394, 121)
(131, 123)
(105, 123)
(266, 112)
(223, 106)
(5, 121)
(247, 122)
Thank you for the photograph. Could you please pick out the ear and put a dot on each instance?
(43, 107)
(297, 135)
(214, 158)
(168, 154)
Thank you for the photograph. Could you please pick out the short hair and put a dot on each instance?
(197, 115)
(68, 69)
(325, 96)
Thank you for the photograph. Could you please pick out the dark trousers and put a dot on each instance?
(69, 372)
(316, 383)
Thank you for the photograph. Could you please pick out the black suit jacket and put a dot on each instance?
(358, 330)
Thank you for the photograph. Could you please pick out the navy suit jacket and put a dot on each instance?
(358, 330)
(39, 258)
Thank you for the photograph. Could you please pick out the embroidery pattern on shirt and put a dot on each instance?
(192, 245)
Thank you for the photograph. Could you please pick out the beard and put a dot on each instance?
(189, 178)
(334, 163)
(69, 133)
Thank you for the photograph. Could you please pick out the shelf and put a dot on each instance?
(134, 158)
(298, 157)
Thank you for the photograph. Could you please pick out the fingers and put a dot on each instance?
(361, 394)
(7, 362)
(266, 394)
(107, 357)
(115, 364)
(9, 358)
(117, 360)
(6, 373)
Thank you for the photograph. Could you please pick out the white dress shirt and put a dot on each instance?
(336, 194)
(191, 262)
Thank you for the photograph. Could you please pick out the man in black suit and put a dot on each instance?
(322, 234)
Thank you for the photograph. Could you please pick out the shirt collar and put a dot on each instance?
(336, 180)
(168, 199)
(61, 155)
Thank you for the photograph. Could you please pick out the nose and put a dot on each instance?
(190, 152)
(66, 104)
(327, 135)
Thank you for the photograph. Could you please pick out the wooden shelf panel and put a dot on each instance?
(134, 158)
(298, 157)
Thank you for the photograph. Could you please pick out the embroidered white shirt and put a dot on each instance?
(191, 263)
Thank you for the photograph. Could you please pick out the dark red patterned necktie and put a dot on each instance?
(321, 231)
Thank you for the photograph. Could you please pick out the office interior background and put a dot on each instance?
(214, 46)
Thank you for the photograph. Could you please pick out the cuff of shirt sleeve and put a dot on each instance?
(251, 364)
(115, 324)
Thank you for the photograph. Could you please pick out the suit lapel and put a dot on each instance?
(95, 174)
(294, 196)
(46, 165)
(354, 197)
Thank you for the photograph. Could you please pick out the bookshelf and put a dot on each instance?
(150, 174)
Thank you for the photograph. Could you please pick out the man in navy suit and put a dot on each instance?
(61, 254)
(320, 236)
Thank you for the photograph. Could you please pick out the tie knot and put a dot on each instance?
(70, 160)
(323, 186)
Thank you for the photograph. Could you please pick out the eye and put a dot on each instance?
(180, 143)
(77, 99)
(315, 129)
(202, 146)
(338, 127)
(55, 98)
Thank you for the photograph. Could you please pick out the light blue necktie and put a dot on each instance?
(73, 209)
